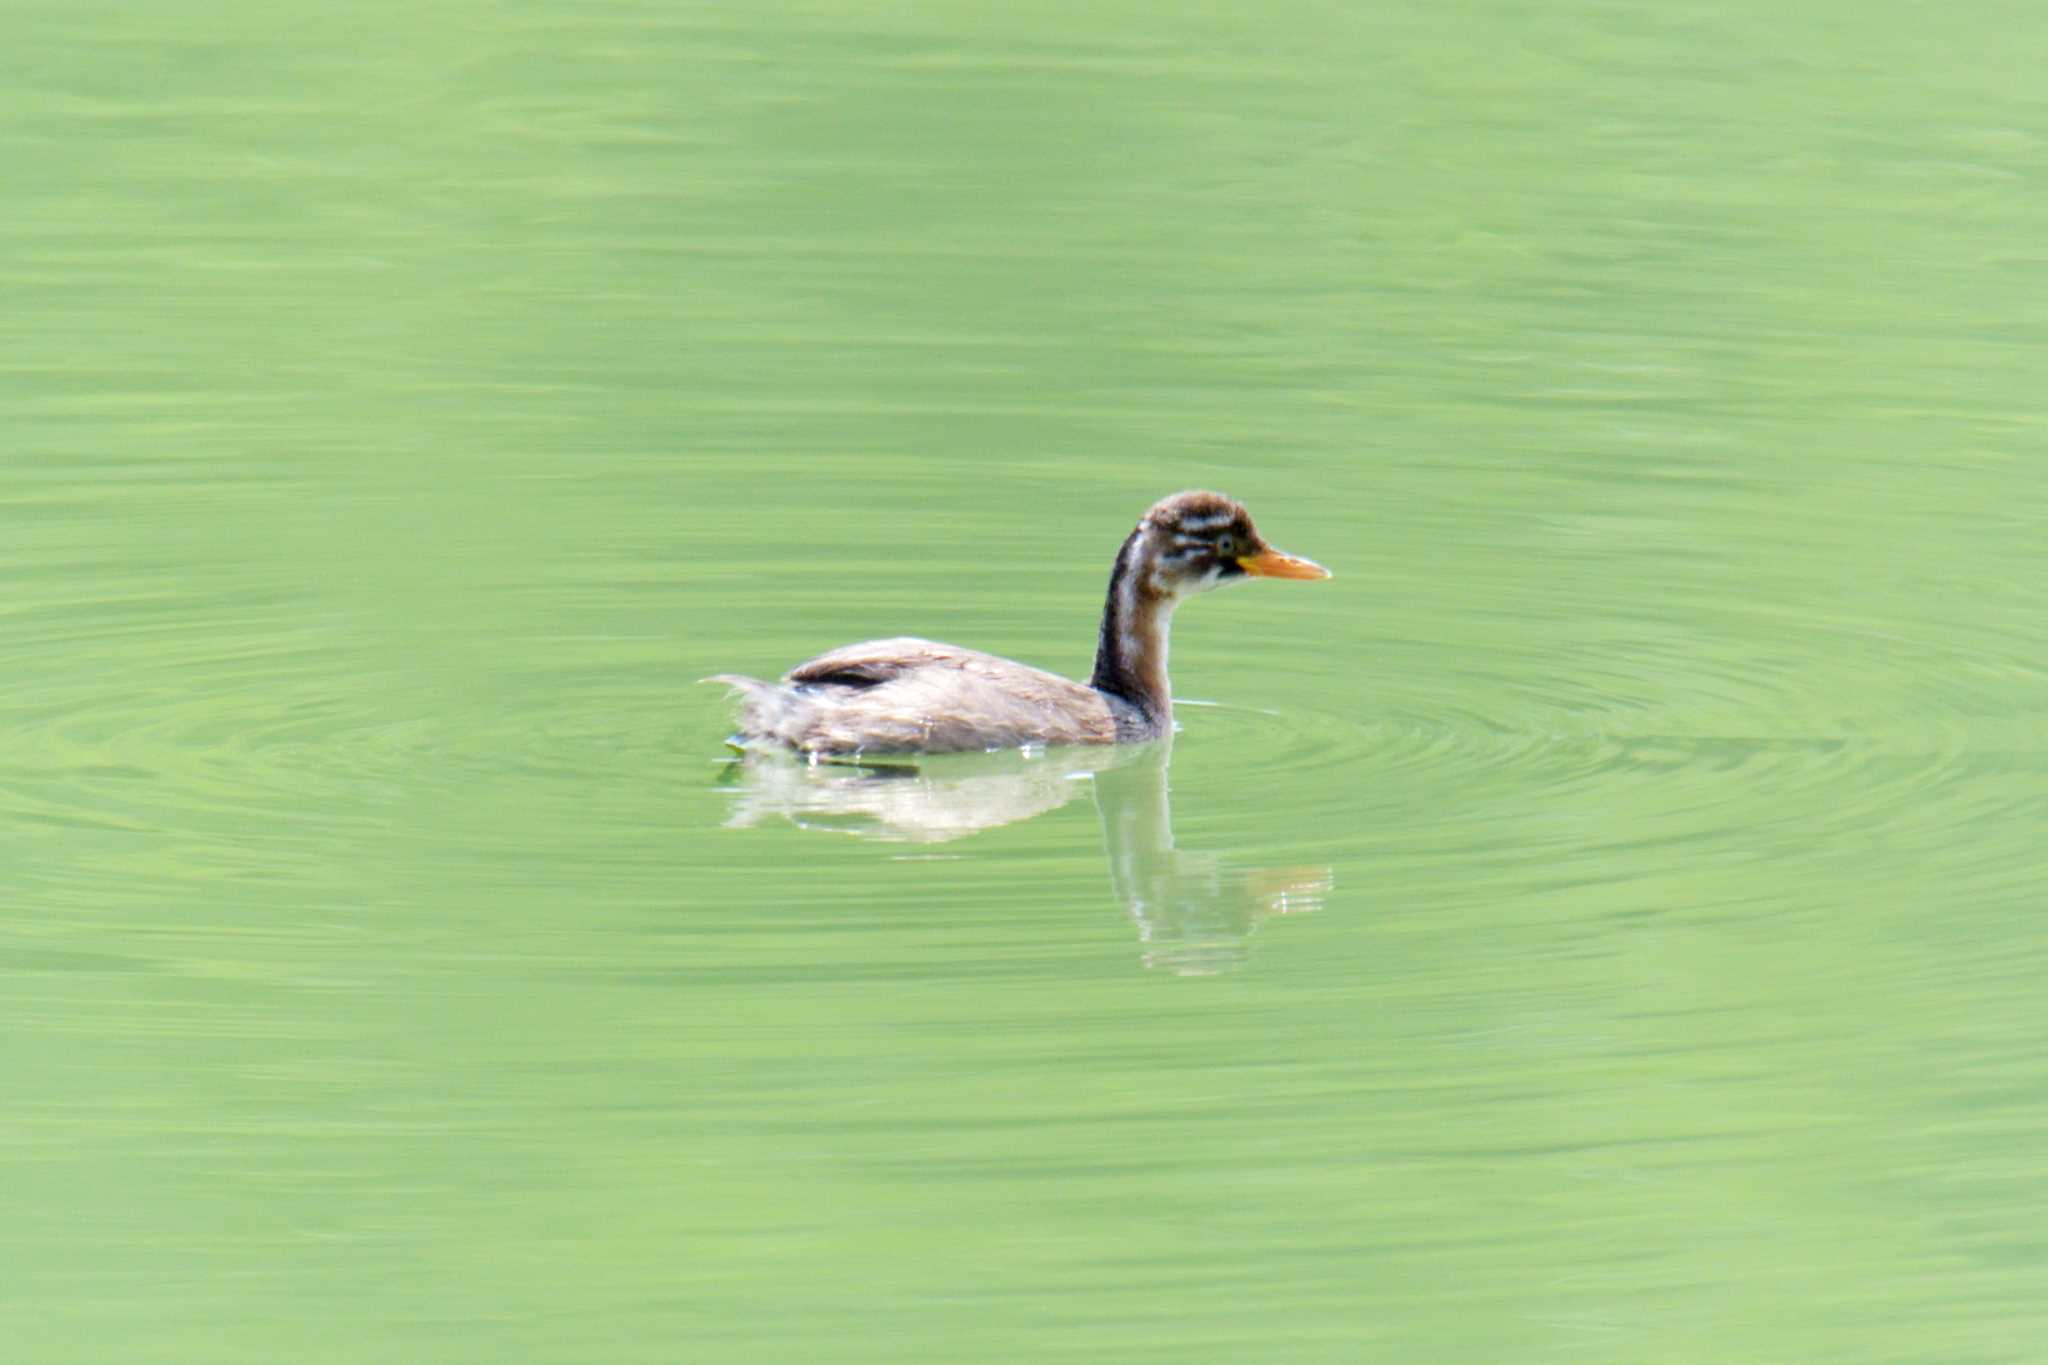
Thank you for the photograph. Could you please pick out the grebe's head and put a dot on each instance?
(1195, 541)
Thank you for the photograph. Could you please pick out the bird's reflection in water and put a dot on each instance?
(1194, 911)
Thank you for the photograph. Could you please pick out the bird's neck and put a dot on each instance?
(1130, 653)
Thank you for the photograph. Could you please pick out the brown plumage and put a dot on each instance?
(914, 696)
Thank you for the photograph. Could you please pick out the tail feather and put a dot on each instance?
(768, 711)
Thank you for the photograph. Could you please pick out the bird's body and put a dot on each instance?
(907, 695)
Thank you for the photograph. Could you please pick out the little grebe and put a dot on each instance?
(914, 696)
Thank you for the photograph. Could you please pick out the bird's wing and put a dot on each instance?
(873, 662)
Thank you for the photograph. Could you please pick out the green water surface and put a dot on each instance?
(1605, 923)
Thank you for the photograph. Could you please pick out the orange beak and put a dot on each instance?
(1271, 563)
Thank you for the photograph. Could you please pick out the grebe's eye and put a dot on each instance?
(1226, 545)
